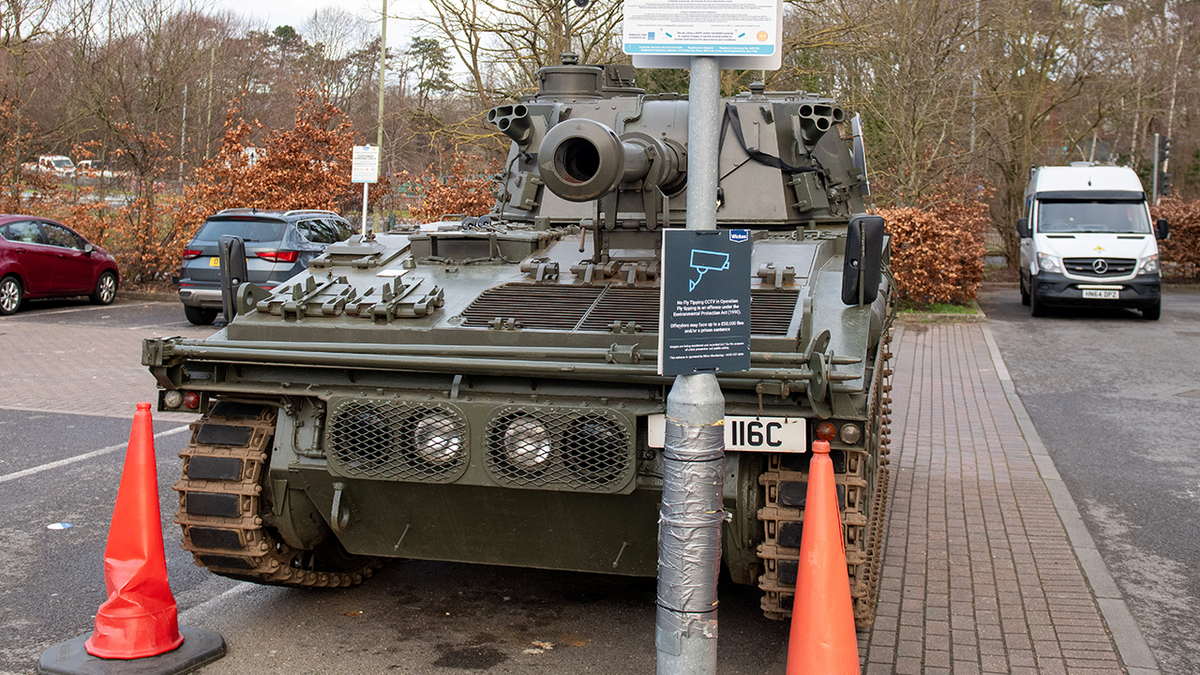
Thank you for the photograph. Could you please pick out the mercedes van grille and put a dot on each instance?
(1100, 267)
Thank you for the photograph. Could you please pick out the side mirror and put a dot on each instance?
(1023, 228)
(861, 272)
(1161, 229)
(89, 247)
(231, 251)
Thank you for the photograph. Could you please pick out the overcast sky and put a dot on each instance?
(296, 12)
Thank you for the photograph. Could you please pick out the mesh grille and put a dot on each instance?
(398, 440)
(585, 450)
(595, 308)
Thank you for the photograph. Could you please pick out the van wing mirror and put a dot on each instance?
(1161, 229)
(861, 270)
(1023, 228)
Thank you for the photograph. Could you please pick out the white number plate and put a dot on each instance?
(746, 433)
(1101, 295)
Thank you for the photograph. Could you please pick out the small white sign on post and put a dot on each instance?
(365, 169)
(666, 33)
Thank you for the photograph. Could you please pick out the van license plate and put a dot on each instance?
(746, 433)
(1101, 295)
(215, 261)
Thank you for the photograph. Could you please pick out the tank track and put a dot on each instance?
(858, 480)
(224, 499)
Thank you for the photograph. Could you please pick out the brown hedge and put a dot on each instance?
(1181, 251)
(937, 252)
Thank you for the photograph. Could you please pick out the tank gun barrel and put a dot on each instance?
(581, 160)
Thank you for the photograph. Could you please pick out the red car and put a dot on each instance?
(41, 258)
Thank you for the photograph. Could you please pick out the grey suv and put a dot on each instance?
(279, 245)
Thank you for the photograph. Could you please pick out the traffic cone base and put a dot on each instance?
(200, 647)
(137, 627)
(823, 640)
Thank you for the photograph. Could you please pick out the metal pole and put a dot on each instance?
(182, 137)
(691, 516)
(382, 77)
(212, 54)
(1154, 184)
(364, 220)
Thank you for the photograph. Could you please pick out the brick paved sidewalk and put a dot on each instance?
(979, 574)
(81, 370)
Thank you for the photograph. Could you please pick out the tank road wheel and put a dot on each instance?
(862, 484)
(225, 506)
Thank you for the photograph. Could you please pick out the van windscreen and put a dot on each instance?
(1073, 216)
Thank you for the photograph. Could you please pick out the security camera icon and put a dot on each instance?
(706, 261)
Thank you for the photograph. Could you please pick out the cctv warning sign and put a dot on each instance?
(704, 316)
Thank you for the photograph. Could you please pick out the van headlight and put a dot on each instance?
(1148, 265)
(1049, 263)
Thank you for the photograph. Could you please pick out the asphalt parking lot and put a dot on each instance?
(73, 377)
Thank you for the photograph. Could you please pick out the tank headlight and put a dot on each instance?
(437, 438)
(1148, 265)
(850, 434)
(173, 399)
(527, 443)
(1049, 263)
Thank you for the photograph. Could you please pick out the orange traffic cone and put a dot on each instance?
(139, 617)
(822, 641)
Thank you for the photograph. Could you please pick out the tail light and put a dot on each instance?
(191, 253)
(280, 256)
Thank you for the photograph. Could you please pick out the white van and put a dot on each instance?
(1086, 241)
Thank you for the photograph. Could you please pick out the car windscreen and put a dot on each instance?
(248, 230)
(1075, 217)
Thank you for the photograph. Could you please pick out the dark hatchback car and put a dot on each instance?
(279, 245)
(42, 258)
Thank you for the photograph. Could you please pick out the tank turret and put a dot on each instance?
(485, 389)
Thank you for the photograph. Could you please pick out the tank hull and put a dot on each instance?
(487, 390)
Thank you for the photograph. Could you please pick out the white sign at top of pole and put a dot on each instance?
(745, 34)
(365, 165)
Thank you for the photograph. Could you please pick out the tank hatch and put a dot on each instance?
(615, 309)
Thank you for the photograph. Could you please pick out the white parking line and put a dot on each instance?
(79, 458)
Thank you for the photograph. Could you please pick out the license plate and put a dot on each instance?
(214, 261)
(1101, 295)
(747, 433)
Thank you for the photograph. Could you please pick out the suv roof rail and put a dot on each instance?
(294, 212)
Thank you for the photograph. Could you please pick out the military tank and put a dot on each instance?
(485, 389)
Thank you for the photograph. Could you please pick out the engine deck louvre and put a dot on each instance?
(596, 308)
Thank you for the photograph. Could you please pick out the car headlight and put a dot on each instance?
(1148, 265)
(438, 438)
(527, 443)
(1049, 263)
